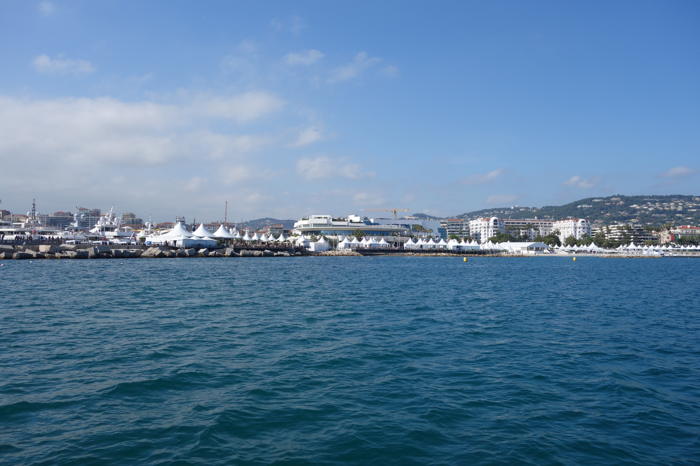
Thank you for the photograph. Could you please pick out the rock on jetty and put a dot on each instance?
(71, 251)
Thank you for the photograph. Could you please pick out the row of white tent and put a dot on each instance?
(202, 237)
(365, 243)
(451, 245)
(628, 248)
(224, 233)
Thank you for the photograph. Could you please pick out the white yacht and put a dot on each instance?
(109, 227)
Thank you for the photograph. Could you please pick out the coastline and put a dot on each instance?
(69, 251)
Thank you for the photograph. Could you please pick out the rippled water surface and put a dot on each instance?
(383, 360)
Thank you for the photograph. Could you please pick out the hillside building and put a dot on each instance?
(576, 227)
(458, 227)
(482, 229)
(529, 228)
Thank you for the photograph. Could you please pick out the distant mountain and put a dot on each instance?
(259, 223)
(425, 216)
(644, 210)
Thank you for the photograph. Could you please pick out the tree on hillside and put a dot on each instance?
(585, 241)
(501, 238)
(550, 240)
(599, 239)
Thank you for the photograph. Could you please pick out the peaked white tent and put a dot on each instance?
(202, 232)
(319, 246)
(179, 236)
(345, 244)
(222, 233)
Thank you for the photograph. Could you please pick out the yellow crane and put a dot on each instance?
(393, 211)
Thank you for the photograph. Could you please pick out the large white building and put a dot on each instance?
(576, 227)
(458, 227)
(528, 227)
(326, 225)
(482, 229)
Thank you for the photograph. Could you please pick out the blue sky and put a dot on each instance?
(291, 108)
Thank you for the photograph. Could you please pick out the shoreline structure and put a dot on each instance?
(71, 251)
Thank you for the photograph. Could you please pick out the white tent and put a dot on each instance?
(319, 246)
(246, 236)
(202, 232)
(382, 243)
(180, 237)
(222, 233)
(345, 244)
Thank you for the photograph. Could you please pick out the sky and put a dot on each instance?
(284, 109)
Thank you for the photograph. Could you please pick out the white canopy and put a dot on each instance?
(202, 232)
(222, 233)
(178, 231)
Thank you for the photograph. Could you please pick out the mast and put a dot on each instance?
(226, 213)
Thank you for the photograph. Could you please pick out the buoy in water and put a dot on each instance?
(573, 259)
(466, 259)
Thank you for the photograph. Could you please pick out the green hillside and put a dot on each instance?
(644, 210)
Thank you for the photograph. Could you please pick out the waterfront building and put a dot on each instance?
(683, 232)
(275, 229)
(458, 227)
(352, 225)
(576, 227)
(529, 228)
(625, 234)
(417, 226)
(87, 218)
(482, 229)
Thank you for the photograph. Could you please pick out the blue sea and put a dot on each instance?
(360, 360)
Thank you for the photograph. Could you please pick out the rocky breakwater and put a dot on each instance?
(70, 251)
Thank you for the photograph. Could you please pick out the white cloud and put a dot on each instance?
(235, 174)
(313, 168)
(355, 68)
(293, 24)
(307, 136)
(368, 199)
(46, 8)
(306, 57)
(101, 131)
(483, 177)
(580, 182)
(678, 172)
(60, 65)
(501, 199)
(194, 184)
(390, 71)
(65, 150)
(241, 108)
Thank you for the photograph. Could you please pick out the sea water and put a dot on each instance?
(365, 360)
